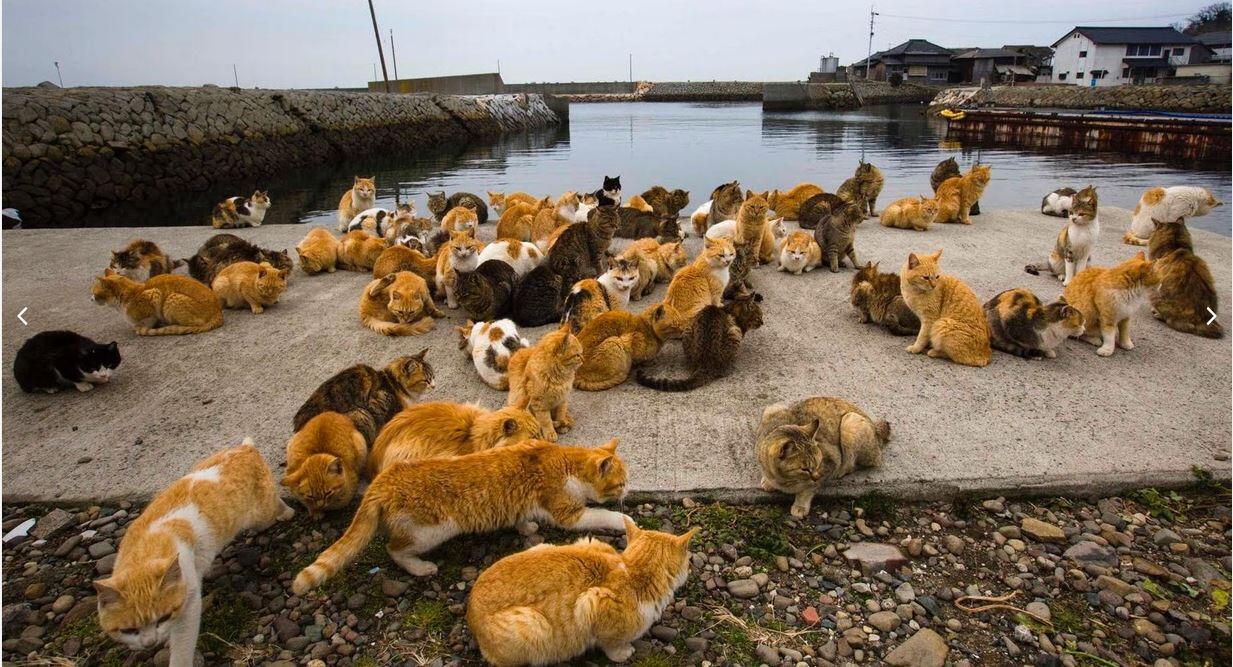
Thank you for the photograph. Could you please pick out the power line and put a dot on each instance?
(1065, 22)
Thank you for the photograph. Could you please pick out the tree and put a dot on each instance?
(1214, 17)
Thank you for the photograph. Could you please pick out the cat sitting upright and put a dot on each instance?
(1073, 249)
(51, 360)
(362, 196)
(610, 193)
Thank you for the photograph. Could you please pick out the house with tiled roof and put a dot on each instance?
(917, 60)
(1114, 56)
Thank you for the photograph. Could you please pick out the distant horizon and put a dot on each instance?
(329, 44)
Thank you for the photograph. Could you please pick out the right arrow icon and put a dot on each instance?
(1209, 309)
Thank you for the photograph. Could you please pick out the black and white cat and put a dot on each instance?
(51, 360)
(610, 194)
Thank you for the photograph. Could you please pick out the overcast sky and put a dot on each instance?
(326, 43)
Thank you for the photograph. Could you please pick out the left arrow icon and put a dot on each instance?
(23, 320)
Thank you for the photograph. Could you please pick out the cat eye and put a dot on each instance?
(130, 631)
(164, 618)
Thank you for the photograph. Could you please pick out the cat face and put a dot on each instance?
(568, 200)
(109, 288)
(865, 274)
(496, 199)
(605, 472)
(612, 186)
(1062, 314)
(623, 274)
(727, 195)
(719, 252)
(678, 199)
(928, 209)
(754, 207)
(437, 202)
(260, 198)
(464, 251)
(746, 309)
(139, 609)
(604, 220)
(412, 374)
(669, 229)
(124, 259)
(922, 271)
(796, 456)
(405, 296)
(271, 282)
(96, 362)
(797, 246)
(320, 484)
(980, 173)
(659, 552)
(1207, 204)
(1083, 206)
(366, 188)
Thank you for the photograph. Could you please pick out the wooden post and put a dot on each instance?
(380, 52)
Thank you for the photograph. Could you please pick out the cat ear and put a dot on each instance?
(913, 261)
(937, 255)
(785, 448)
(689, 535)
(1141, 257)
(1156, 224)
(509, 426)
(631, 529)
(173, 574)
(113, 346)
(749, 194)
(108, 272)
(566, 328)
(420, 356)
(812, 428)
(757, 297)
(611, 445)
(335, 467)
(107, 593)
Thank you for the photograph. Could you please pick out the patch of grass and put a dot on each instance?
(365, 661)
(759, 529)
(225, 622)
(432, 616)
(964, 505)
(656, 659)
(877, 506)
(1068, 617)
(650, 523)
(734, 643)
(1169, 505)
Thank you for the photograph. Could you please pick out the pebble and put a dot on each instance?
(885, 621)
(63, 604)
(100, 549)
(1041, 531)
(743, 589)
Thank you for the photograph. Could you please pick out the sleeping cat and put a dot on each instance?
(787, 204)
(318, 251)
(711, 342)
(378, 221)
(610, 193)
(1021, 325)
(817, 440)
(541, 377)
(1179, 201)
(1108, 297)
(431, 430)
(439, 204)
(153, 595)
(491, 344)
(877, 297)
(1057, 203)
(1187, 291)
(166, 305)
(367, 396)
(249, 285)
(423, 504)
(361, 196)
(241, 211)
(358, 251)
(615, 342)
(657, 263)
(398, 258)
(51, 360)
(324, 463)
(952, 323)
(486, 292)
(398, 305)
(222, 249)
(140, 260)
(518, 220)
(948, 168)
(600, 597)
(1073, 249)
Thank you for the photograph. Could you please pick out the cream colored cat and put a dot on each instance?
(657, 263)
(1167, 204)
(362, 196)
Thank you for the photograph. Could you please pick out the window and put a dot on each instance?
(1083, 54)
(938, 75)
(918, 70)
(1062, 76)
(1099, 73)
(1079, 75)
(1125, 72)
(1142, 49)
(1179, 51)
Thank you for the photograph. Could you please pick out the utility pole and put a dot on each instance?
(58, 77)
(393, 55)
(869, 53)
(376, 33)
(631, 68)
(235, 73)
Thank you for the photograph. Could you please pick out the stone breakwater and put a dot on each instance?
(67, 151)
(1211, 98)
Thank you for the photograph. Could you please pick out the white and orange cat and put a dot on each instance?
(799, 253)
(522, 256)
(460, 254)
(1167, 204)
(153, 595)
(657, 263)
(361, 196)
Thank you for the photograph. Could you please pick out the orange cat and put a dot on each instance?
(787, 204)
(250, 285)
(462, 218)
(952, 321)
(398, 305)
(657, 263)
(956, 195)
(595, 597)
(431, 430)
(425, 503)
(500, 201)
(799, 253)
(324, 461)
(361, 197)
(318, 251)
(153, 595)
(165, 305)
(1108, 297)
(910, 213)
(517, 221)
(638, 203)
(549, 220)
(401, 258)
(359, 250)
(541, 376)
(616, 341)
(702, 283)
(460, 254)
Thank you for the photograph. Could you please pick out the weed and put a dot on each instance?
(877, 506)
(432, 616)
(225, 621)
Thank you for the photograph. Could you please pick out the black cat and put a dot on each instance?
(540, 297)
(610, 194)
(52, 360)
(486, 292)
(222, 250)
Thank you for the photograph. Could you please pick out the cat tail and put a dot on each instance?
(697, 379)
(422, 325)
(1035, 269)
(573, 303)
(1197, 327)
(359, 534)
(180, 329)
(882, 428)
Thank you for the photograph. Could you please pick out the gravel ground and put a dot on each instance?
(1139, 579)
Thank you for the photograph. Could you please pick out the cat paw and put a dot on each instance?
(766, 485)
(257, 310)
(935, 354)
(1050, 354)
(286, 513)
(799, 511)
(915, 349)
(619, 654)
(526, 528)
(83, 386)
(1126, 344)
(1105, 351)
(421, 568)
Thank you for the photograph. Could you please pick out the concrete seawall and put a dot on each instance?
(67, 151)
(1210, 98)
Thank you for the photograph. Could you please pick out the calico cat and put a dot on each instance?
(398, 305)
(726, 200)
(910, 213)
(1023, 326)
(948, 168)
(422, 504)
(486, 292)
(318, 251)
(820, 439)
(587, 202)
(431, 430)
(595, 597)
(324, 462)
(358, 251)
(657, 263)
(241, 211)
(399, 258)
(952, 323)
(249, 285)
(520, 255)
(153, 595)
(166, 305)
(379, 221)
(816, 209)
(665, 203)
(787, 204)
(222, 249)
(836, 235)
(539, 298)
(956, 195)
(703, 282)
(540, 379)
(615, 342)
(490, 345)
(461, 218)
(367, 396)
(1073, 249)
(1179, 201)
(439, 205)
(610, 193)
(878, 299)
(412, 232)
(499, 201)
(461, 254)
(51, 360)
(799, 253)
(711, 342)
(1057, 203)
(140, 260)
(863, 188)
(1187, 290)
(592, 297)
(361, 196)
(1108, 297)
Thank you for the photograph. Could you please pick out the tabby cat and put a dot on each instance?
(140, 260)
(486, 292)
(398, 305)
(153, 595)
(165, 305)
(726, 200)
(1073, 249)
(637, 224)
(249, 285)
(324, 462)
(540, 379)
(877, 297)
(241, 211)
(956, 195)
(1187, 294)
(787, 204)
(361, 196)
(51, 360)
(439, 205)
(367, 396)
(222, 249)
(1173, 203)
(948, 168)
(711, 342)
(910, 213)
(816, 209)
(584, 247)
(425, 503)
(539, 299)
(863, 188)
(952, 323)
(1109, 297)
(657, 263)
(613, 343)
(1023, 326)
(836, 236)
(490, 345)
(318, 251)
(432, 430)
(595, 597)
(819, 439)
(665, 203)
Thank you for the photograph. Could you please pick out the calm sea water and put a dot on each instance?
(698, 146)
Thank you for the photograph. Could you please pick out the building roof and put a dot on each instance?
(989, 53)
(915, 47)
(1165, 35)
(1215, 39)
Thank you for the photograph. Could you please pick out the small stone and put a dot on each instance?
(996, 505)
(743, 589)
(1148, 630)
(696, 644)
(781, 563)
(1041, 531)
(100, 549)
(51, 523)
(885, 621)
(356, 601)
(393, 588)
(875, 557)
(1087, 552)
(286, 629)
(1040, 610)
(954, 624)
(36, 590)
(63, 604)
(1164, 537)
(1023, 633)
(767, 654)
(1149, 568)
(954, 544)
(664, 633)
(905, 593)
(1114, 585)
(105, 564)
(926, 648)
(810, 616)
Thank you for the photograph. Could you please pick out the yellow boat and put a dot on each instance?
(952, 115)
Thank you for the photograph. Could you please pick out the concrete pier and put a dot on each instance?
(1077, 424)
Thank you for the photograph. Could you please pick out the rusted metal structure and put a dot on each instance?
(1169, 136)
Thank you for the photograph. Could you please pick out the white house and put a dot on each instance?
(1091, 56)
